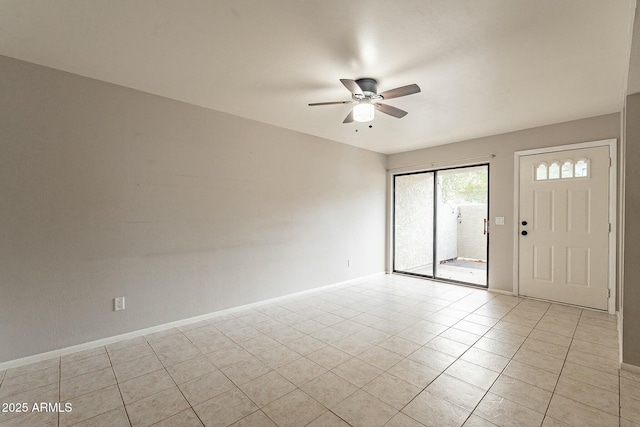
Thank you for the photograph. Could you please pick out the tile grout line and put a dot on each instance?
(580, 381)
(174, 381)
(164, 367)
(510, 359)
(328, 370)
(305, 356)
(271, 370)
(553, 393)
(232, 382)
(458, 358)
(353, 357)
(118, 385)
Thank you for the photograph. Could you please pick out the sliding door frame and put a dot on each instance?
(392, 219)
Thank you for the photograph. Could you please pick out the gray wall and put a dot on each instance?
(501, 171)
(447, 234)
(472, 242)
(106, 191)
(630, 249)
(631, 302)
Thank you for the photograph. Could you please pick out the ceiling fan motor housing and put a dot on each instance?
(369, 87)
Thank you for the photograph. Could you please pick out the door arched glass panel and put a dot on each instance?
(541, 172)
(582, 168)
(567, 169)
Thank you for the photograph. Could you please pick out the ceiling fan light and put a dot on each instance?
(363, 112)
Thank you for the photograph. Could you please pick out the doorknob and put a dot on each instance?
(524, 232)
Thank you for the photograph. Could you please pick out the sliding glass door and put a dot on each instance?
(413, 225)
(440, 224)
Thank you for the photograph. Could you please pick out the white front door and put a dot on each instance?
(564, 226)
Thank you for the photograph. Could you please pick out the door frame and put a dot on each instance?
(612, 144)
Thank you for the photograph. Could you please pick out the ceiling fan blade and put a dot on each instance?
(329, 103)
(349, 118)
(352, 86)
(392, 111)
(400, 91)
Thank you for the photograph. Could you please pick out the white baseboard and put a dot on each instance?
(500, 291)
(631, 368)
(620, 335)
(110, 340)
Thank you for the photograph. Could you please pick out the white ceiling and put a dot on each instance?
(485, 66)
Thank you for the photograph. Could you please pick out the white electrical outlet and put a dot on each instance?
(118, 303)
(349, 263)
(499, 220)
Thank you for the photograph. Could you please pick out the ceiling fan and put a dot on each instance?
(366, 99)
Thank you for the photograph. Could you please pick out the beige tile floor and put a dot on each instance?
(392, 351)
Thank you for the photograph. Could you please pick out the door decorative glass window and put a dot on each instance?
(567, 169)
